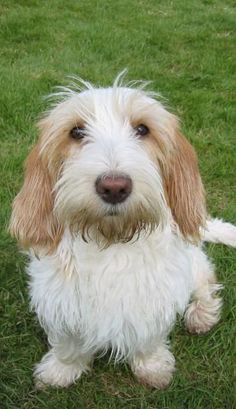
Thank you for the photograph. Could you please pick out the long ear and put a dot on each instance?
(184, 189)
(33, 222)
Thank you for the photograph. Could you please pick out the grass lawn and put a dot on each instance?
(187, 48)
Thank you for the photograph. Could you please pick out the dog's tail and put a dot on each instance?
(218, 231)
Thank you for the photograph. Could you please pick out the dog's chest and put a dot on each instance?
(131, 290)
(120, 297)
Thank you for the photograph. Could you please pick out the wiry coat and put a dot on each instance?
(113, 276)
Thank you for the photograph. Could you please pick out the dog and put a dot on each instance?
(112, 215)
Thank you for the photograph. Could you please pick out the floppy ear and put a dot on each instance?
(33, 222)
(184, 189)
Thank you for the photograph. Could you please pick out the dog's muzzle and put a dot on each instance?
(113, 189)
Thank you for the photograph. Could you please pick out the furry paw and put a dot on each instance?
(202, 315)
(50, 371)
(155, 370)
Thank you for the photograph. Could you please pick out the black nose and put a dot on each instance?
(113, 189)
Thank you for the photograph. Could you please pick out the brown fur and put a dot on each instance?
(33, 222)
(54, 144)
(182, 181)
(184, 189)
(115, 229)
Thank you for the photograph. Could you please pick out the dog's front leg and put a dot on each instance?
(154, 368)
(63, 364)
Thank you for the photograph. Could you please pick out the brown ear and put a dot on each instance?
(33, 222)
(184, 189)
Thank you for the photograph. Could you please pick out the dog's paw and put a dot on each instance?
(50, 371)
(202, 315)
(155, 370)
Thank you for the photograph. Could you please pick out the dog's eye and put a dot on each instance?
(141, 130)
(77, 133)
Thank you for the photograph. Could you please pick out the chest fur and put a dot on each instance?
(114, 298)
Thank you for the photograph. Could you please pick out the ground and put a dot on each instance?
(187, 50)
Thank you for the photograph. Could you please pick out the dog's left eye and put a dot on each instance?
(141, 130)
(77, 133)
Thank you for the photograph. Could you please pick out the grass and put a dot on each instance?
(187, 50)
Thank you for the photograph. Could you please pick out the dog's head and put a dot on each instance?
(109, 163)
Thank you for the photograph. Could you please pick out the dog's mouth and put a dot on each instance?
(115, 223)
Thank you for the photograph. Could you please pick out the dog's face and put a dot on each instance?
(109, 164)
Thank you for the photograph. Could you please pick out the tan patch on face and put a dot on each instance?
(156, 143)
(182, 181)
(56, 144)
(33, 221)
(157, 148)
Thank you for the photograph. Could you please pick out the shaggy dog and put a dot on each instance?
(112, 214)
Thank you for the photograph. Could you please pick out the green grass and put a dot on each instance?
(187, 48)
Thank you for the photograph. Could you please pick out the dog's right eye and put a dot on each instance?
(77, 133)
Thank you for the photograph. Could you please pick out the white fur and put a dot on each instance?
(218, 231)
(123, 297)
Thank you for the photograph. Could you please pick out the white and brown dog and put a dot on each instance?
(112, 213)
